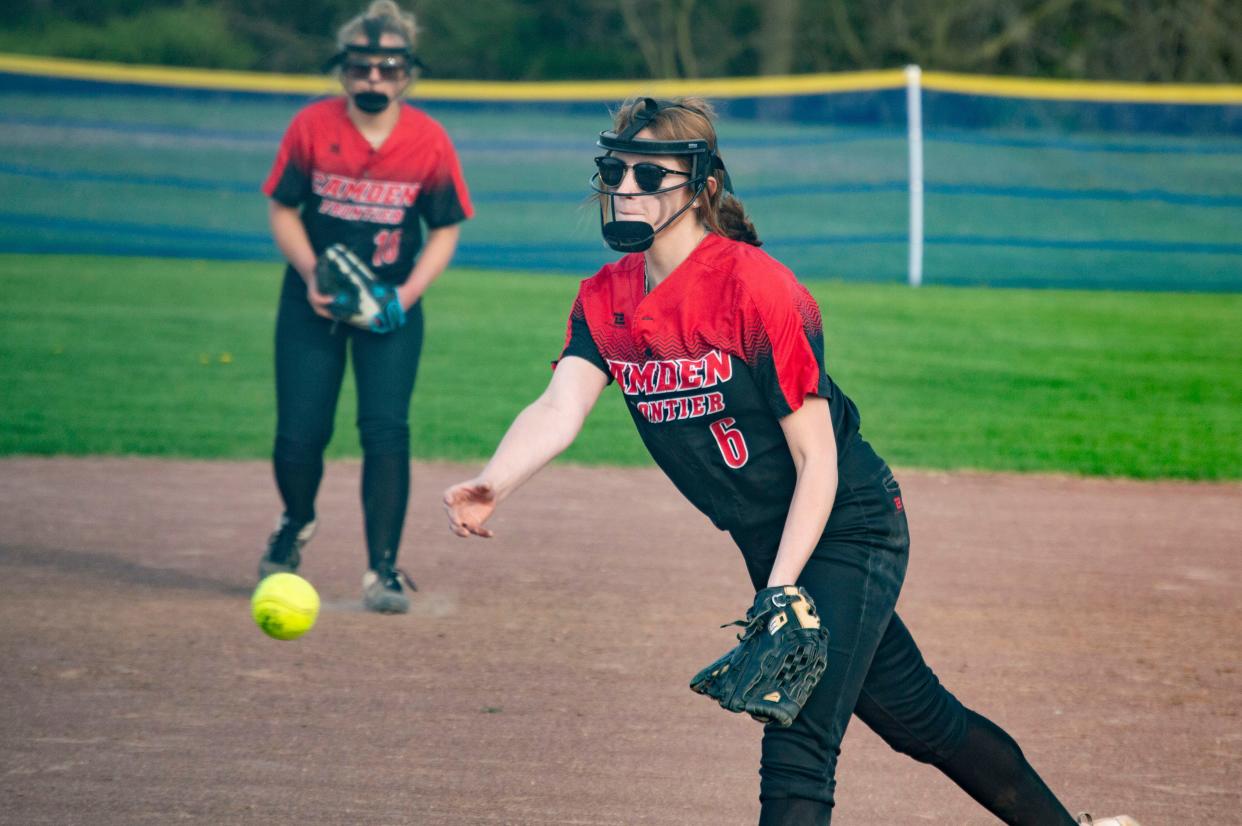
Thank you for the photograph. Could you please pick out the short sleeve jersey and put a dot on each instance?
(369, 199)
(709, 362)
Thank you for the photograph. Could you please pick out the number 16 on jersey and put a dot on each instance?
(387, 247)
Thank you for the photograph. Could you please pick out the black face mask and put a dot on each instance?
(371, 102)
(636, 236)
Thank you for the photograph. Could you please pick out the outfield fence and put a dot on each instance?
(886, 176)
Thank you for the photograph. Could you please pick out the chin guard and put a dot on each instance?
(629, 236)
(371, 102)
(637, 236)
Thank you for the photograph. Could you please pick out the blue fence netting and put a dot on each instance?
(1018, 191)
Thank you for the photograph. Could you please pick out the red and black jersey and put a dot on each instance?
(709, 362)
(369, 199)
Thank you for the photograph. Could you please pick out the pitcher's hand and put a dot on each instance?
(468, 505)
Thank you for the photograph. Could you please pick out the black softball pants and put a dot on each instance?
(876, 671)
(311, 354)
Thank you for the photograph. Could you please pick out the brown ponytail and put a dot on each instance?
(730, 219)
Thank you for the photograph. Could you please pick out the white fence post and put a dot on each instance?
(914, 122)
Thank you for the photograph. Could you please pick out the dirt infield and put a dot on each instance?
(541, 678)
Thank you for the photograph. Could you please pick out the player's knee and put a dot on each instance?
(929, 730)
(788, 811)
(797, 770)
(807, 795)
(382, 437)
(983, 737)
(296, 450)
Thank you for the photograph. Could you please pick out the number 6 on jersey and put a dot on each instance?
(730, 441)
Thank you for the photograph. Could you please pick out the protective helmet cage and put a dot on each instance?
(637, 236)
(703, 160)
(374, 28)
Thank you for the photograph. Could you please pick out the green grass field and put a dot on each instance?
(174, 358)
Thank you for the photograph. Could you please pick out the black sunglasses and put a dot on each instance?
(389, 69)
(648, 176)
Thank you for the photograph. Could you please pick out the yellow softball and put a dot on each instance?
(284, 606)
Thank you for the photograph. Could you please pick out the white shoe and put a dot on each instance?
(1119, 820)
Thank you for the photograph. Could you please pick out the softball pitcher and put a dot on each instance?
(718, 352)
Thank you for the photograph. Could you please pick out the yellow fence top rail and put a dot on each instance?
(452, 89)
(611, 90)
(164, 75)
(1084, 90)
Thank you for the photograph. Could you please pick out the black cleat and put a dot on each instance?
(284, 547)
(382, 591)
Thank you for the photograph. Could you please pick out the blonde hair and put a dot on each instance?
(394, 20)
(693, 118)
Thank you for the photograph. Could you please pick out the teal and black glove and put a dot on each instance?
(358, 297)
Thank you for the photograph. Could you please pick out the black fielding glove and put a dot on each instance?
(780, 657)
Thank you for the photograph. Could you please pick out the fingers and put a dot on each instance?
(467, 527)
(314, 296)
(467, 506)
(318, 302)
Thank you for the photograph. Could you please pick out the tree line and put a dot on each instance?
(1131, 40)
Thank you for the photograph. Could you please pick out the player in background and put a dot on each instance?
(718, 352)
(366, 170)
